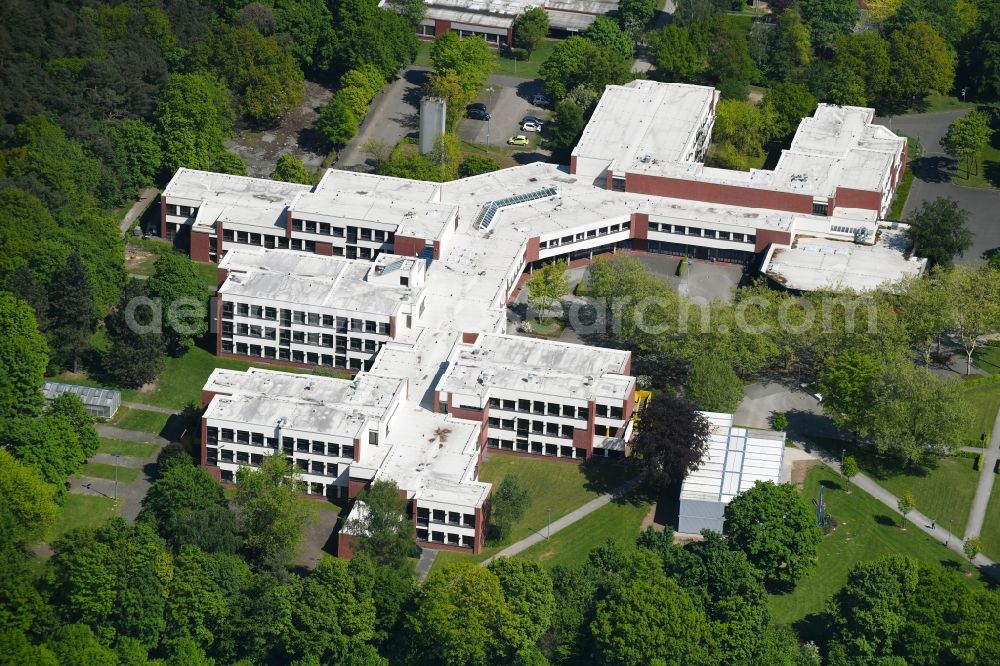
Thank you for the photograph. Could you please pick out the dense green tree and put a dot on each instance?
(868, 614)
(461, 70)
(475, 165)
(649, 621)
(23, 358)
(829, 19)
(365, 34)
(135, 154)
(230, 163)
(135, 353)
(264, 76)
(185, 651)
(530, 27)
(197, 606)
(790, 45)
(272, 517)
(564, 130)
(21, 606)
(693, 12)
(942, 15)
(788, 104)
(547, 285)
(745, 128)
(865, 54)
(915, 416)
(70, 407)
(24, 285)
(183, 496)
(111, 578)
(528, 590)
(290, 169)
(308, 24)
(578, 60)
(920, 62)
(777, 531)
(24, 223)
(76, 645)
(729, 54)
(966, 137)
(337, 124)
(979, 56)
(182, 296)
(413, 10)
(72, 314)
(48, 444)
(460, 616)
(193, 118)
(676, 56)
(17, 650)
(712, 385)
(671, 439)
(388, 533)
(938, 231)
(507, 506)
(846, 386)
(635, 15)
(28, 498)
(605, 33)
(836, 84)
(974, 297)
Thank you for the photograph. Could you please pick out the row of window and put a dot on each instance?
(537, 427)
(340, 343)
(294, 355)
(282, 243)
(537, 448)
(585, 235)
(331, 490)
(703, 233)
(445, 538)
(540, 407)
(314, 467)
(290, 317)
(181, 211)
(353, 234)
(425, 516)
(215, 435)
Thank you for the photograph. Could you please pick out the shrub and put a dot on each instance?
(779, 421)
(682, 267)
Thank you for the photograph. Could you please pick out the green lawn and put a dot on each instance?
(982, 402)
(140, 420)
(990, 534)
(550, 327)
(555, 487)
(944, 494)
(97, 470)
(122, 447)
(936, 103)
(619, 521)
(83, 511)
(867, 529)
(987, 357)
(527, 69)
(913, 151)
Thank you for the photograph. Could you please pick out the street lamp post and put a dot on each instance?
(116, 476)
(489, 111)
(548, 528)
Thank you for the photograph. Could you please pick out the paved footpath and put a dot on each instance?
(565, 521)
(982, 499)
(130, 495)
(112, 432)
(987, 566)
(146, 196)
(150, 408)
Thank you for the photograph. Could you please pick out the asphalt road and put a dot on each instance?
(934, 178)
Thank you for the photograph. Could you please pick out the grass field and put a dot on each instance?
(944, 494)
(140, 420)
(97, 470)
(527, 69)
(990, 534)
(555, 487)
(937, 103)
(122, 447)
(83, 511)
(987, 358)
(982, 403)
(867, 529)
(913, 151)
(619, 521)
(550, 327)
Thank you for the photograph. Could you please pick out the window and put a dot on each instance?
(404, 281)
(373, 437)
(618, 183)
(819, 208)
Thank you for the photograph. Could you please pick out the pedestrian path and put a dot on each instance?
(150, 408)
(112, 432)
(916, 518)
(977, 514)
(565, 521)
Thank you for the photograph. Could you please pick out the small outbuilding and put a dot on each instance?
(736, 459)
(99, 403)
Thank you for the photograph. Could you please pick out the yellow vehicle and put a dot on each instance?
(518, 140)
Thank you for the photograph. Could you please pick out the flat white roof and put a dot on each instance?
(411, 218)
(531, 365)
(242, 191)
(304, 278)
(310, 403)
(645, 123)
(819, 263)
(736, 459)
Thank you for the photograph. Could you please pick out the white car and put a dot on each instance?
(531, 126)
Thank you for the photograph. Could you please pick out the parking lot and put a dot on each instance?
(508, 103)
